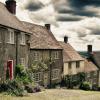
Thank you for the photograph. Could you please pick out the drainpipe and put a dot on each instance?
(50, 71)
(16, 51)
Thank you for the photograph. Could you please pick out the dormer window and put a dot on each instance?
(10, 36)
(22, 39)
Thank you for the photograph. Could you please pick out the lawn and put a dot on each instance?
(57, 94)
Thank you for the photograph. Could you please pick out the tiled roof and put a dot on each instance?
(96, 57)
(42, 38)
(69, 53)
(10, 20)
(89, 66)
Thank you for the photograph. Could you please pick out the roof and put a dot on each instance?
(41, 38)
(69, 53)
(96, 57)
(10, 20)
(90, 66)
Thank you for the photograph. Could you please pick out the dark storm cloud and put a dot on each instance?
(68, 18)
(33, 5)
(79, 4)
(82, 8)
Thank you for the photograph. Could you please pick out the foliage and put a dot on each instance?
(42, 65)
(13, 87)
(73, 80)
(85, 86)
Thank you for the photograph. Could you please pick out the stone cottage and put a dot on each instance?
(14, 37)
(73, 62)
(44, 46)
(93, 57)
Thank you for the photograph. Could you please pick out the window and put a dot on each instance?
(37, 77)
(69, 65)
(22, 39)
(88, 75)
(56, 55)
(77, 64)
(22, 61)
(36, 56)
(10, 36)
(55, 74)
(95, 73)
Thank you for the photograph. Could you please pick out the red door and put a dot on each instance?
(10, 68)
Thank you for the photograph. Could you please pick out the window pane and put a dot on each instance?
(22, 39)
(22, 61)
(55, 74)
(10, 36)
(77, 64)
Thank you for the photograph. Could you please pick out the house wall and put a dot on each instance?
(56, 64)
(8, 51)
(99, 78)
(73, 70)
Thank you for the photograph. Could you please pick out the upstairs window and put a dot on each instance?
(56, 55)
(36, 56)
(70, 65)
(22, 39)
(10, 36)
(77, 64)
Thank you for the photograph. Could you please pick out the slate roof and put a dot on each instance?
(10, 20)
(96, 57)
(90, 66)
(42, 38)
(69, 53)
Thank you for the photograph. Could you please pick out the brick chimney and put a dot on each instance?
(89, 47)
(47, 26)
(11, 6)
(66, 39)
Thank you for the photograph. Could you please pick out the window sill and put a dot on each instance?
(23, 44)
(55, 78)
(10, 43)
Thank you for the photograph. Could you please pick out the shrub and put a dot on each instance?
(85, 86)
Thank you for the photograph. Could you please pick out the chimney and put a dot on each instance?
(89, 48)
(47, 26)
(66, 39)
(11, 6)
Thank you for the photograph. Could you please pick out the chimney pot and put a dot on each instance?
(89, 48)
(66, 39)
(47, 26)
(11, 6)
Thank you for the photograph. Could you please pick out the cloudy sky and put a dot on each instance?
(77, 19)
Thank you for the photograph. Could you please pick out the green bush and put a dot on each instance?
(85, 86)
(13, 87)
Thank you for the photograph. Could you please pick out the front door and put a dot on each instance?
(45, 79)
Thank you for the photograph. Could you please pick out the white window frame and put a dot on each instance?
(22, 38)
(10, 39)
(37, 77)
(56, 55)
(88, 75)
(36, 56)
(22, 61)
(55, 74)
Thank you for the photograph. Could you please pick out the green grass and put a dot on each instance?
(57, 94)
